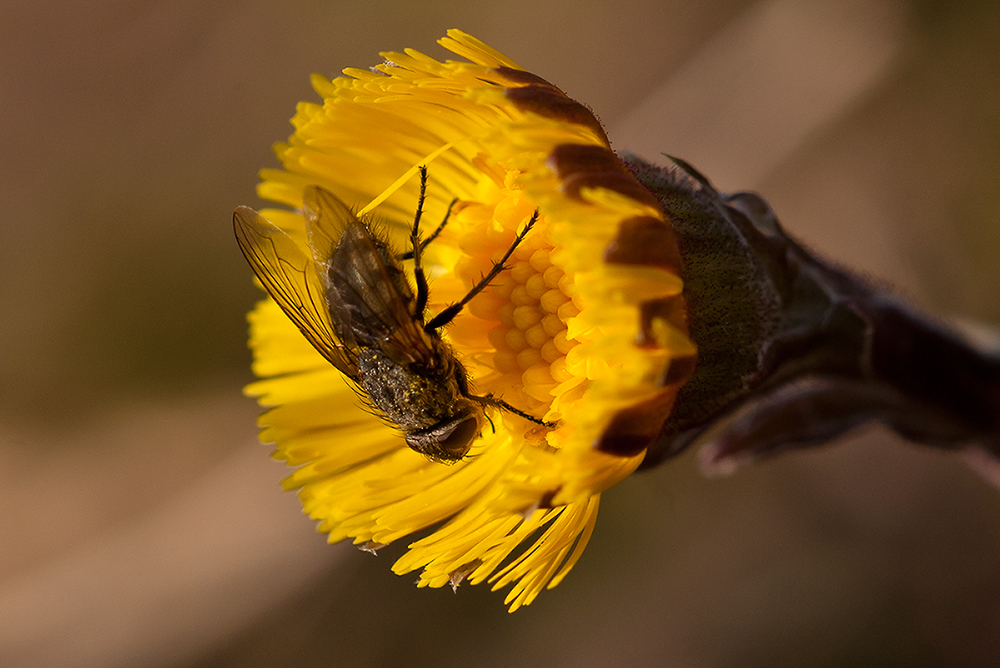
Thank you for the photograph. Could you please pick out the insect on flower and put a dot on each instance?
(353, 301)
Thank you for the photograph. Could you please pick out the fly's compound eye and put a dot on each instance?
(448, 440)
(460, 436)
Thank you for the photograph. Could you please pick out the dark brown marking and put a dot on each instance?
(670, 309)
(523, 77)
(647, 241)
(674, 311)
(679, 371)
(583, 165)
(548, 497)
(634, 429)
(548, 101)
(569, 159)
(618, 182)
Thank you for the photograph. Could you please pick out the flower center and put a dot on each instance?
(515, 344)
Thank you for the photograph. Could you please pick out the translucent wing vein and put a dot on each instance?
(291, 280)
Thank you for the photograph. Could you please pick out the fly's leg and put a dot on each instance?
(449, 313)
(418, 269)
(408, 255)
(418, 246)
(490, 400)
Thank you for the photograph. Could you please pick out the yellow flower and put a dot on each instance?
(586, 327)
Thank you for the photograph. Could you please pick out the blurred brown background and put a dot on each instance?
(143, 524)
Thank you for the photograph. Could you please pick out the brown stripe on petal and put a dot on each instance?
(670, 309)
(569, 159)
(647, 241)
(588, 166)
(546, 499)
(623, 184)
(522, 77)
(549, 102)
(679, 371)
(634, 429)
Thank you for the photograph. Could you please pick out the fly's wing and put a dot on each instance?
(327, 218)
(291, 280)
(366, 288)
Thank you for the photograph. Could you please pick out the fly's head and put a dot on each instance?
(449, 440)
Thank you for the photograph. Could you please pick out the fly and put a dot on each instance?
(354, 303)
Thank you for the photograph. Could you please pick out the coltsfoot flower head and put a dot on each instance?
(583, 334)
